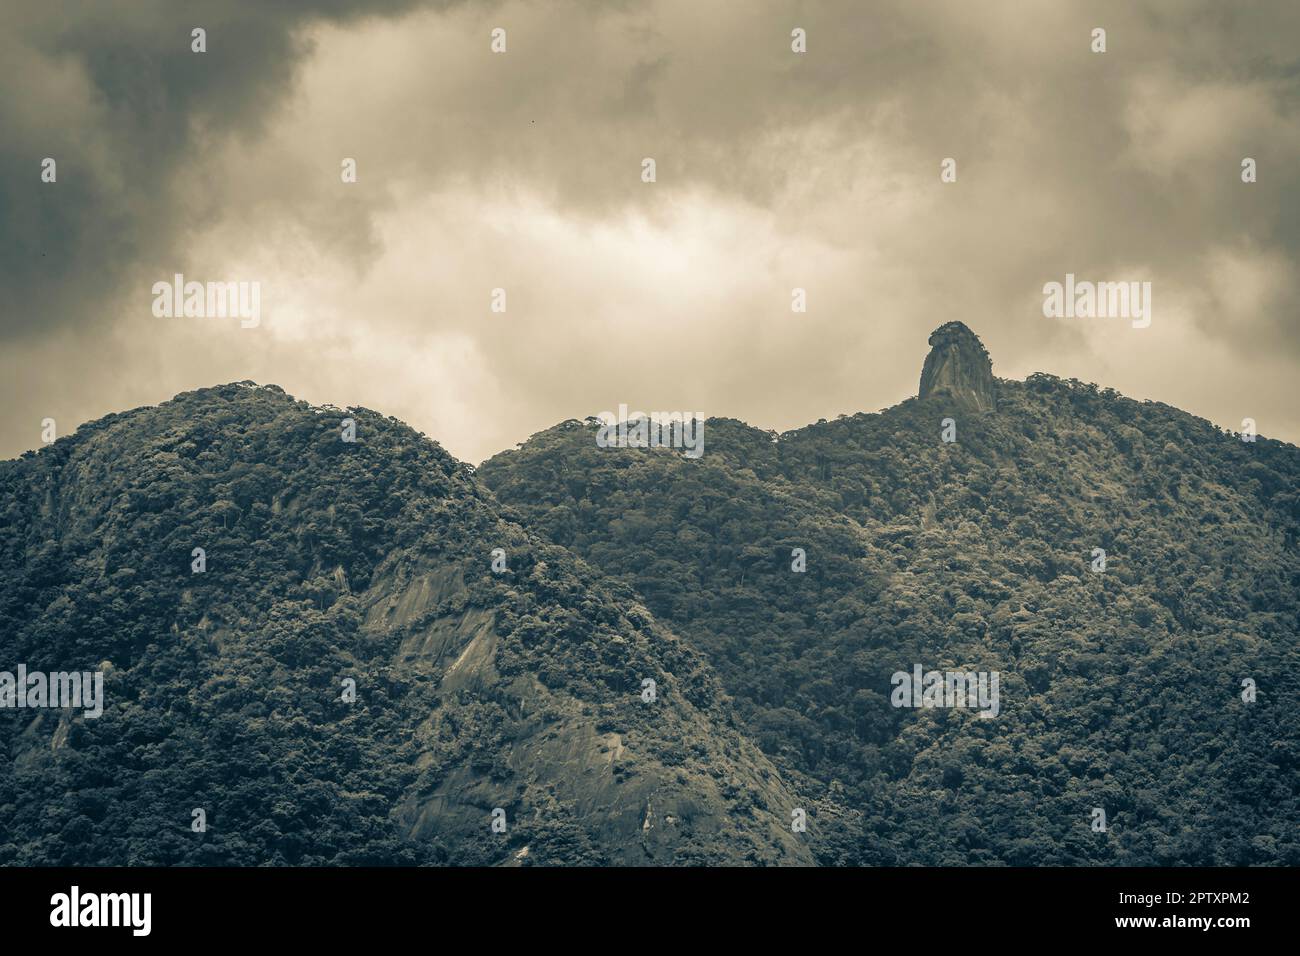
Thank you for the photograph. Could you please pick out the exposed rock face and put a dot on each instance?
(646, 794)
(958, 368)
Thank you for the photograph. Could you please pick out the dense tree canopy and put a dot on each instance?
(329, 560)
(1120, 689)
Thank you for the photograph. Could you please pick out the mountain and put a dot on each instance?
(631, 656)
(1129, 571)
(341, 676)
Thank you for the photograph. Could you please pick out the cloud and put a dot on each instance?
(114, 94)
(522, 171)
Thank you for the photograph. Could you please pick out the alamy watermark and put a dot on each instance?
(84, 689)
(683, 430)
(75, 908)
(946, 689)
(210, 300)
(1098, 300)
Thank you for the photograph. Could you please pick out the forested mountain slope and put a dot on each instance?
(1121, 689)
(328, 561)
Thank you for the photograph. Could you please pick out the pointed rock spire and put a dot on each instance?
(958, 368)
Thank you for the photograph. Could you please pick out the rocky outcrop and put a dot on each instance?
(662, 784)
(958, 369)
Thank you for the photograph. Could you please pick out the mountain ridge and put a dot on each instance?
(978, 553)
(475, 692)
(521, 692)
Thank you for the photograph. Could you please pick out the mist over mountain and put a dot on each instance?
(499, 714)
(1128, 570)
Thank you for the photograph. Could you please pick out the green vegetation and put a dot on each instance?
(329, 560)
(1119, 690)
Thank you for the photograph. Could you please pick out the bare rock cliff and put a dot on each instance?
(958, 368)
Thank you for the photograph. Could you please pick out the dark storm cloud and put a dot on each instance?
(113, 93)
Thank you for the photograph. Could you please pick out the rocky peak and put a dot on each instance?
(958, 368)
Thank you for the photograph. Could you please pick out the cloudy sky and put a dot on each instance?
(523, 171)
